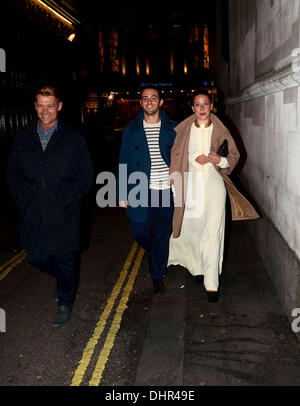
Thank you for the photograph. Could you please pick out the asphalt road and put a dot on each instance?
(120, 335)
(35, 353)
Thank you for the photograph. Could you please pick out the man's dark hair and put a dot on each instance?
(202, 91)
(48, 91)
(145, 87)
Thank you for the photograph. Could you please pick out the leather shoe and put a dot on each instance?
(158, 286)
(62, 316)
(212, 297)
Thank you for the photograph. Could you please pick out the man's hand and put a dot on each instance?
(124, 204)
(214, 158)
(202, 159)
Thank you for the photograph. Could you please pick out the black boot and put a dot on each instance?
(62, 316)
(158, 286)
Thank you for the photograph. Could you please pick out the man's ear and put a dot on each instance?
(161, 102)
(193, 109)
(59, 106)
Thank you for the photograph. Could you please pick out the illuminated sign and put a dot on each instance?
(160, 84)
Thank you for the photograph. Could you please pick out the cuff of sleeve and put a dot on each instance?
(224, 163)
(173, 189)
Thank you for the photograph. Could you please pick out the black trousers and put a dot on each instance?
(153, 235)
(61, 267)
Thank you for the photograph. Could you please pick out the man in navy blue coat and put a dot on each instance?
(145, 155)
(49, 171)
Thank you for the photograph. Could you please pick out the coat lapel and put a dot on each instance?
(53, 140)
(35, 142)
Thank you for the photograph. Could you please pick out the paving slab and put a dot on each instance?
(245, 339)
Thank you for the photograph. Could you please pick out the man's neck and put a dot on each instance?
(152, 119)
(47, 127)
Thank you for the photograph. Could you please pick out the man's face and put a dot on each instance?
(150, 101)
(202, 107)
(47, 108)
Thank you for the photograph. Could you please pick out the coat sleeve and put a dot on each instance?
(22, 189)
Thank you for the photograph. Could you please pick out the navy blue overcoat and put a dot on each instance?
(135, 154)
(48, 187)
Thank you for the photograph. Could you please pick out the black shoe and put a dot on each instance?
(62, 316)
(158, 286)
(212, 297)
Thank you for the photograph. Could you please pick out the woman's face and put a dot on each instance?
(202, 107)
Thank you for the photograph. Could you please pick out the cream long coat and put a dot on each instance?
(240, 207)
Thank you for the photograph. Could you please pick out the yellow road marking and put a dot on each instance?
(110, 339)
(90, 347)
(11, 263)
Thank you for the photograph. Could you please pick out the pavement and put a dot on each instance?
(243, 340)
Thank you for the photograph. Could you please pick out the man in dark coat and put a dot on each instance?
(49, 171)
(145, 154)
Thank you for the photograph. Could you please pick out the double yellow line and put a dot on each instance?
(115, 325)
(11, 263)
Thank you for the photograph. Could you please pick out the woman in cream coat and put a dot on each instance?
(200, 178)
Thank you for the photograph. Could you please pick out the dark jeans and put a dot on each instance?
(62, 268)
(153, 235)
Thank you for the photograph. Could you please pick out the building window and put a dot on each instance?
(137, 63)
(113, 43)
(153, 31)
(194, 35)
(205, 48)
(101, 51)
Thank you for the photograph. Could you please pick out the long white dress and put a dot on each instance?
(199, 248)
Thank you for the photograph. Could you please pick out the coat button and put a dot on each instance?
(138, 164)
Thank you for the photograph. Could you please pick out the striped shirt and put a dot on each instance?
(159, 169)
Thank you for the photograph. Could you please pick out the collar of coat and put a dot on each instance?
(165, 121)
(31, 127)
(31, 132)
(183, 129)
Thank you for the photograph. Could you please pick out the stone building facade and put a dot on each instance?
(263, 102)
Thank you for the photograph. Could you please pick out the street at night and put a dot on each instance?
(120, 334)
(193, 109)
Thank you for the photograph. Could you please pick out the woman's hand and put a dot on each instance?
(124, 204)
(214, 158)
(202, 159)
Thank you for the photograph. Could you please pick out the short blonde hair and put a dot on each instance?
(48, 91)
